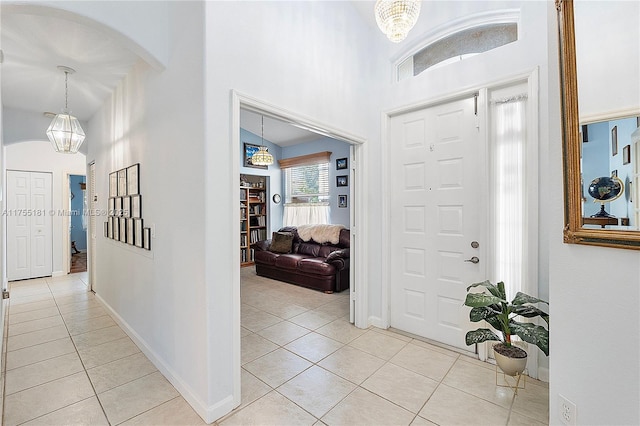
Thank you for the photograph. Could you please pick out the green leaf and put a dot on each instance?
(495, 323)
(486, 284)
(480, 335)
(522, 298)
(478, 300)
(531, 333)
(529, 311)
(503, 292)
(482, 313)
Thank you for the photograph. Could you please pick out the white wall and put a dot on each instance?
(39, 156)
(156, 118)
(312, 58)
(594, 294)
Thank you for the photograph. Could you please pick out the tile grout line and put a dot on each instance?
(80, 359)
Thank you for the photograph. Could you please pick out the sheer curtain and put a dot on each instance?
(305, 214)
(509, 136)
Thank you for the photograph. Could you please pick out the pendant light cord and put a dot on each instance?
(66, 91)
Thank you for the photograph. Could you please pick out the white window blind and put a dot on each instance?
(306, 182)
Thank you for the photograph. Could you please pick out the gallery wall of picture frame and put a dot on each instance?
(125, 222)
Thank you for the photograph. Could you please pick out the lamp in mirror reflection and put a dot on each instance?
(395, 18)
(262, 157)
(64, 132)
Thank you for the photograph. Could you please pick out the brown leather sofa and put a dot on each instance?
(323, 267)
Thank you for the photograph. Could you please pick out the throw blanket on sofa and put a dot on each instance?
(320, 233)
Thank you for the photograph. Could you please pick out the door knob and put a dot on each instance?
(474, 259)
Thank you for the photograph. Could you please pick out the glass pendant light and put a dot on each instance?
(64, 132)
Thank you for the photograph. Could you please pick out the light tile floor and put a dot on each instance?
(68, 362)
(302, 364)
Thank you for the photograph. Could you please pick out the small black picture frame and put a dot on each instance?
(342, 201)
(138, 231)
(614, 141)
(626, 154)
(133, 179)
(342, 163)
(113, 184)
(146, 238)
(249, 150)
(342, 180)
(122, 182)
(123, 229)
(136, 206)
(130, 231)
(126, 206)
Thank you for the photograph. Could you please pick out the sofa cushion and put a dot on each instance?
(316, 266)
(281, 242)
(289, 261)
(266, 257)
(310, 249)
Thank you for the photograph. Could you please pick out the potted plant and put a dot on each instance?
(491, 305)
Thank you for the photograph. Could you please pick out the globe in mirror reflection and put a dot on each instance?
(604, 190)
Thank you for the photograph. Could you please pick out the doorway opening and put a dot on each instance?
(357, 294)
(78, 223)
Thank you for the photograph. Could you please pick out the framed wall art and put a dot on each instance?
(117, 206)
(342, 180)
(137, 233)
(130, 231)
(342, 163)
(146, 238)
(342, 201)
(116, 228)
(136, 206)
(113, 184)
(626, 154)
(133, 180)
(249, 150)
(123, 229)
(126, 206)
(122, 182)
(614, 141)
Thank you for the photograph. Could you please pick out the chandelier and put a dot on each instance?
(396, 17)
(64, 132)
(262, 157)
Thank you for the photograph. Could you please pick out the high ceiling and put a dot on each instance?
(34, 45)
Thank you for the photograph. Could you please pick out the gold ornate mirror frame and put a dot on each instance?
(574, 233)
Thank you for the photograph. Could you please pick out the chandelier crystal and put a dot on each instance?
(262, 157)
(64, 132)
(396, 17)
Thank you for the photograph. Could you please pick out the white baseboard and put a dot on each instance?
(376, 322)
(208, 413)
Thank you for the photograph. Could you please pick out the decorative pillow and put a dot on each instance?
(281, 242)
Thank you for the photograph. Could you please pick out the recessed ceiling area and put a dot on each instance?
(35, 44)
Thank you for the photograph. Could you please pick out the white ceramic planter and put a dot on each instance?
(510, 366)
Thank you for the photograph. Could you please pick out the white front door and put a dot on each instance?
(438, 219)
(29, 225)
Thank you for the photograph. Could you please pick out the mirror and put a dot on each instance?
(599, 69)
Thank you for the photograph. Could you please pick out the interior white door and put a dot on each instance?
(29, 225)
(437, 214)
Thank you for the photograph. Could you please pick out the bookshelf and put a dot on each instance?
(253, 219)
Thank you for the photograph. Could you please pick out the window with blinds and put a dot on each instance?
(307, 184)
